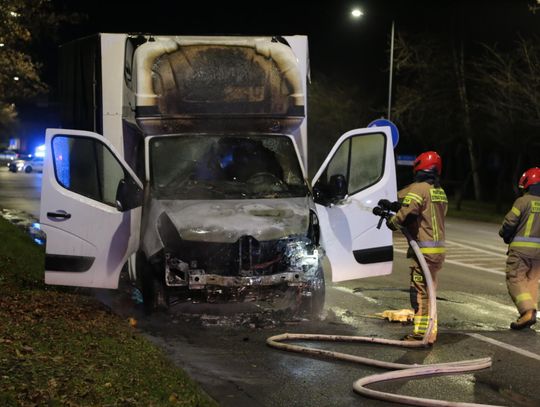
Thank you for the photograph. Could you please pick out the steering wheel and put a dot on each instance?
(264, 178)
(267, 178)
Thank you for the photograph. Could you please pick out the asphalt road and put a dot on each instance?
(20, 191)
(224, 348)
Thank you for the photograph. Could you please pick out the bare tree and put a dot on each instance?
(535, 7)
(334, 107)
(432, 102)
(458, 56)
(508, 96)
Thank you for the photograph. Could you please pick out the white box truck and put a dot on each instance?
(182, 162)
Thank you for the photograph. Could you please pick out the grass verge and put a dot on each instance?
(479, 211)
(58, 348)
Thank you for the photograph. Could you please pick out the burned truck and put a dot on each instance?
(182, 163)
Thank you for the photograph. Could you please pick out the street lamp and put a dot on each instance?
(357, 13)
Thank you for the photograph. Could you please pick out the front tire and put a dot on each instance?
(154, 292)
(28, 170)
(313, 305)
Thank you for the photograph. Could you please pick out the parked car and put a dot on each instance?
(8, 155)
(29, 165)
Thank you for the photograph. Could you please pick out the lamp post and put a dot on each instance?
(390, 74)
(357, 13)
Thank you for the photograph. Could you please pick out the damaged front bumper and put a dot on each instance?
(198, 280)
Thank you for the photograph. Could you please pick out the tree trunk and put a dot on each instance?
(459, 67)
(500, 184)
(460, 191)
(517, 174)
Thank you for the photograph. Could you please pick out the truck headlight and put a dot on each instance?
(302, 254)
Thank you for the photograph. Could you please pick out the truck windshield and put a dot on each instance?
(225, 167)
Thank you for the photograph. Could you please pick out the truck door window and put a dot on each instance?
(358, 162)
(87, 167)
(367, 161)
(338, 165)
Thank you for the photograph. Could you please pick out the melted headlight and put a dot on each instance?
(303, 255)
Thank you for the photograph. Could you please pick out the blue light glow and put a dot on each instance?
(61, 160)
(40, 151)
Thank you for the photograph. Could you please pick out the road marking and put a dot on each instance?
(357, 293)
(476, 249)
(503, 345)
(466, 256)
(471, 266)
(485, 246)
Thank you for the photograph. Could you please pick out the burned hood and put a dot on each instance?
(225, 221)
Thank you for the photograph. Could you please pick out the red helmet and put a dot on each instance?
(428, 161)
(529, 177)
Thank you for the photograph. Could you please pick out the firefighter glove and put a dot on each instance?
(392, 224)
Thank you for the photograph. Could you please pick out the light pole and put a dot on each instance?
(390, 74)
(357, 13)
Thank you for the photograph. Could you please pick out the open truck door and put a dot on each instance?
(90, 198)
(358, 172)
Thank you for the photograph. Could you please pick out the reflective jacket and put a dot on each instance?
(521, 226)
(424, 207)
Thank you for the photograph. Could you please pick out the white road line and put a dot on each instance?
(469, 254)
(458, 263)
(357, 293)
(486, 246)
(476, 249)
(458, 247)
(503, 345)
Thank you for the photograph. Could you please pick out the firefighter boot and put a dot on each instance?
(526, 319)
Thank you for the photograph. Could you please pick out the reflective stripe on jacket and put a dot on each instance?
(521, 226)
(424, 207)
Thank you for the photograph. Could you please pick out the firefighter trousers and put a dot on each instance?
(522, 276)
(419, 293)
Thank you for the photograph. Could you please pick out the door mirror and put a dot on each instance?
(128, 195)
(330, 193)
(338, 187)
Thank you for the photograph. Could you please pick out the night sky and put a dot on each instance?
(354, 51)
(339, 44)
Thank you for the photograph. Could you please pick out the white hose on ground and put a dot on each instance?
(401, 371)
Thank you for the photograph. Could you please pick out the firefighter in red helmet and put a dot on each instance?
(423, 210)
(521, 231)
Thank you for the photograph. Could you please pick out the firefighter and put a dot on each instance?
(423, 210)
(521, 231)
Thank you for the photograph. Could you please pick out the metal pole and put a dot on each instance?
(391, 71)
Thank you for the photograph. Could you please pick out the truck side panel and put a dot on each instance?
(112, 63)
(299, 45)
(80, 84)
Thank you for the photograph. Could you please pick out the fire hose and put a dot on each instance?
(399, 370)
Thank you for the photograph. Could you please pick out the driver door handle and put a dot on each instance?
(59, 215)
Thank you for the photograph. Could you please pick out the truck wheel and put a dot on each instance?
(28, 170)
(161, 297)
(153, 289)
